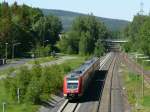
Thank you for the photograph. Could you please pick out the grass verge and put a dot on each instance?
(133, 85)
(42, 60)
(7, 71)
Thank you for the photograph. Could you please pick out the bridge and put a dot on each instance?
(115, 41)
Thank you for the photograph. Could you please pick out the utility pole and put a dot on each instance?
(4, 106)
(6, 51)
(18, 95)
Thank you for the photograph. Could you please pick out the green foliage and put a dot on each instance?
(132, 84)
(85, 46)
(69, 43)
(138, 35)
(41, 51)
(33, 91)
(144, 38)
(42, 60)
(99, 48)
(28, 26)
(85, 32)
(38, 83)
(48, 28)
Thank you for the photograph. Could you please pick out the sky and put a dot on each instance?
(116, 9)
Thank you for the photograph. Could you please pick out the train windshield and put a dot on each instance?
(72, 85)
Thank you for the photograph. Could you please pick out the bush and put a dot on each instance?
(41, 51)
(33, 91)
(37, 84)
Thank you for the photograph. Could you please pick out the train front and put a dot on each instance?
(72, 87)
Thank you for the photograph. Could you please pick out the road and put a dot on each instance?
(14, 64)
(58, 61)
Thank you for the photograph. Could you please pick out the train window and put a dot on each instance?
(72, 85)
(72, 79)
(79, 72)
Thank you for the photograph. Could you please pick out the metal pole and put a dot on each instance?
(99, 63)
(143, 79)
(13, 51)
(18, 95)
(6, 50)
(4, 106)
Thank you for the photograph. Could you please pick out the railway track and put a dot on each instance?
(74, 107)
(105, 101)
(69, 107)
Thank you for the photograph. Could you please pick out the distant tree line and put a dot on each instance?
(85, 37)
(138, 34)
(27, 26)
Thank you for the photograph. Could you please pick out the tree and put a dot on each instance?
(48, 28)
(69, 43)
(144, 38)
(137, 34)
(85, 44)
(99, 48)
(85, 32)
(41, 51)
(34, 91)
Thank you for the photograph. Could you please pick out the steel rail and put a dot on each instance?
(105, 101)
(98, 106)
(69, 107)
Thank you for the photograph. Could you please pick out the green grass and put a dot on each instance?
(74, 63)
(146, 64)
(7, 71)
(42, 60)
(147, 67)
(133, 85)
(12, 106)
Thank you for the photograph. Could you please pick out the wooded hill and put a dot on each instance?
(67, 18)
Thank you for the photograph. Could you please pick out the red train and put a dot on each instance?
(76, 82)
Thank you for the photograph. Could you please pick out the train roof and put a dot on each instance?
(82, 69)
